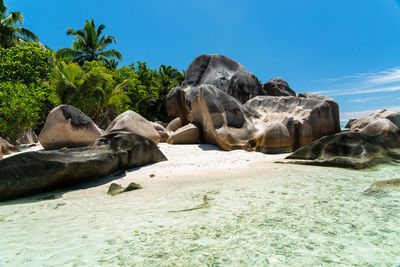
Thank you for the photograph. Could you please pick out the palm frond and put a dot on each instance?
(13, 18)
(26, 34)
(111, 54)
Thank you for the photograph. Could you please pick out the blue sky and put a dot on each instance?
(346, 49)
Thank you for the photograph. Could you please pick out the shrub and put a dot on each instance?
(20, 107)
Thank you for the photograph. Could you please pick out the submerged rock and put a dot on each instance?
(384, 186)
(35, 172)
(115, 189)
(371, 140)
(130, 121)
(67, 126)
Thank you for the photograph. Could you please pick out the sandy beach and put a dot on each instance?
(260, 212)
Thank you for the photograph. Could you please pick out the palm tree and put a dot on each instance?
(93, 92)
(167, 78)
(89, 45)
(10, 34)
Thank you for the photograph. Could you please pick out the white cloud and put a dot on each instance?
(367, 99)
(385, 77)
(364, 83)
(346, 116)
(361, 90)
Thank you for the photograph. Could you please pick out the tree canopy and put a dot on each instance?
(90, 45)
(11, 34)
(34, 79)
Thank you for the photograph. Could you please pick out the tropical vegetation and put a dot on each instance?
(34, 79)
(90, 45)
(10, 33)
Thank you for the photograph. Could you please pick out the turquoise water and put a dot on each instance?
(269, 214)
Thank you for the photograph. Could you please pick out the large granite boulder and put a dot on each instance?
(371, 140)
(188, 134)
(289, 122)
(380, 121)
(332, 102)
(130, 121)
(264, 123)
(225, 74)
(278, 87)
(7, 148)
(67, 126)
(33, 172)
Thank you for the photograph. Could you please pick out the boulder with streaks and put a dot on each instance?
(29, 173)
(372, 140)
(67, 126)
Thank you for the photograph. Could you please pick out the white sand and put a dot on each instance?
(187, 163)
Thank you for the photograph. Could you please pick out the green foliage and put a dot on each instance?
(27, 64)
(89, 88)
(90, 46)
(148, 88)
(20, 107)
(33, 80)
(10, 34)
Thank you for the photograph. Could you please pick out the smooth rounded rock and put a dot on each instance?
(188, 134)
(132, 122)
(174, 125)
(278, 87)
(67, 126)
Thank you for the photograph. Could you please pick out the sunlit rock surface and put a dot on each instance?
(132, 122)
(371, 140)
(264, 123)
(67, 126)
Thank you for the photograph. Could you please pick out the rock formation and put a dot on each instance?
(67, 126)
(116, 189)
(384, 186)
(130, 121)
(348, 124)
(272, 119)
(225, 74)
(7, 148)
(174, 125)
(371, 140)
(164, 134)
(264, 123)
(278, 87)
(188, 134)
(27, 137)
(33, 172)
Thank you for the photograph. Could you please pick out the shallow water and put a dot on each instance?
(273, 214)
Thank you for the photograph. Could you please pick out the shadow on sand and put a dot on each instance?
(57, 194)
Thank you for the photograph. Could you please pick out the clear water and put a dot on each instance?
(282, 215)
